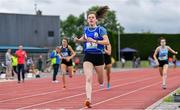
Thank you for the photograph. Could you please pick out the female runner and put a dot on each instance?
(162, 59)
(94, 38)
(67, 53)
(107, 61)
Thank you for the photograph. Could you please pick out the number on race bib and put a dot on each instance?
(64, 54)
(91, 45)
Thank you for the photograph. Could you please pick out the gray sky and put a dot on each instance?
(159, 16)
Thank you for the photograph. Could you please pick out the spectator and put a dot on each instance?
(8, 64)
(14, 64)
(3, 66)
(21, 55)
(76, 62)
(174, 60)
(134, 62)
(170, 61)
(34, 71)
(79, 48)
(55, 61)
(152, 62)
(123, 61)
(39, 63)
(138, 62)
(29, 64)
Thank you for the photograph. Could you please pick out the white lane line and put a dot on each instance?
(51, 101)
(44, 88)
(40, 94)
(136, 90)
(44, 79)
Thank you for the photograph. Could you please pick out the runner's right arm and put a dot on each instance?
(155, 55)
(80, 40)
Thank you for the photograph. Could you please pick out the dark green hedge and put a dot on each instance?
(146, 43)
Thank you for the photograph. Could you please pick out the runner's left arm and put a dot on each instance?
(108, 50)
(172, 51)
(73, 53)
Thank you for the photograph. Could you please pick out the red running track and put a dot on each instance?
(133, 89)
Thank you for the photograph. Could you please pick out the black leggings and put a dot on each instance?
(55, 68)
(21, 70)
(14, 70)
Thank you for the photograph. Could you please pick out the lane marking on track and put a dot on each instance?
(50, 92)
(136, 90)
(115, 72)
(51, 101)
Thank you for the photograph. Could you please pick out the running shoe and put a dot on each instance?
(164, 86)
(108, 86)
(56, 81)
(64, 87)
(87, 104)
(101, 86)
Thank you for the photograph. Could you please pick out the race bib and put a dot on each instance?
(90, 45)
(163, 58)
(64, 54)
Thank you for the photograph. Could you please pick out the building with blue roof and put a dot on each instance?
(37, 33)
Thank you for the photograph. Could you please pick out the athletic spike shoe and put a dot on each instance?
(87, 104)
(164, 87)
(64, 87)
(101, 86)
(108, 86)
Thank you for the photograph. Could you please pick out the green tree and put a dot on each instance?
(72, 25)
(69, 25)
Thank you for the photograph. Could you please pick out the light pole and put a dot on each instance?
(119, 56)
